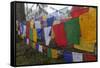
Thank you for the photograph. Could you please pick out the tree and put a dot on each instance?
(20, 12)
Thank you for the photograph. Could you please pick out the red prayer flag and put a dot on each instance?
(60, 36)
(89, 57)
(77, 11)
(27, 29)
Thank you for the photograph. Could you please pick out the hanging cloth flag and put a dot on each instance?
(77, 57)
(47, 35)
(27, 41)
(37, 46)
(40, 48)
(72, 29)
(27, 29)
(22, 23)
(31, 23)
(34, 36)
(68, 56)
(31, 34)
(59, 33)
(89, 57)
(24, 31)
(37, 24)
(44, 17)
(39, 33)
(88, 26)
(77, 11)
(43, 21)
(85, 46)
(54, 53)
(49, 52)
(50, 21)
(19, 29)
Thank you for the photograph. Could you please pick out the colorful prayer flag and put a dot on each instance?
(40, 48)
(46, 35)
(88, 25)
(67, 56)
(85, 46)
(49, 52)
(89, 57)
(54, 53)
(77, 57)
(60, 36)
(77, 11)
(72, 30)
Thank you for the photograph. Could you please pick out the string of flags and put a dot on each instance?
(76, 31)
(67, 55)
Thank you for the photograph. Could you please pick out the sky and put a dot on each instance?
(48, 9)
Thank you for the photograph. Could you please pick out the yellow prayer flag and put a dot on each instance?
(54, 53)
(88, 25)
(85, 46)
(31, 23)
(34, 35)
(44, 17)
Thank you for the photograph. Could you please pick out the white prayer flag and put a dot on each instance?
(77, 57)
(47, 35)
(37, 24)
(40, 48)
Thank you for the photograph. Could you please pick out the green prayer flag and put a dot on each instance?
(31, 34)
(49, 52)
(72, 30)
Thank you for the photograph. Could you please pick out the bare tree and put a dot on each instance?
(20, 13)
